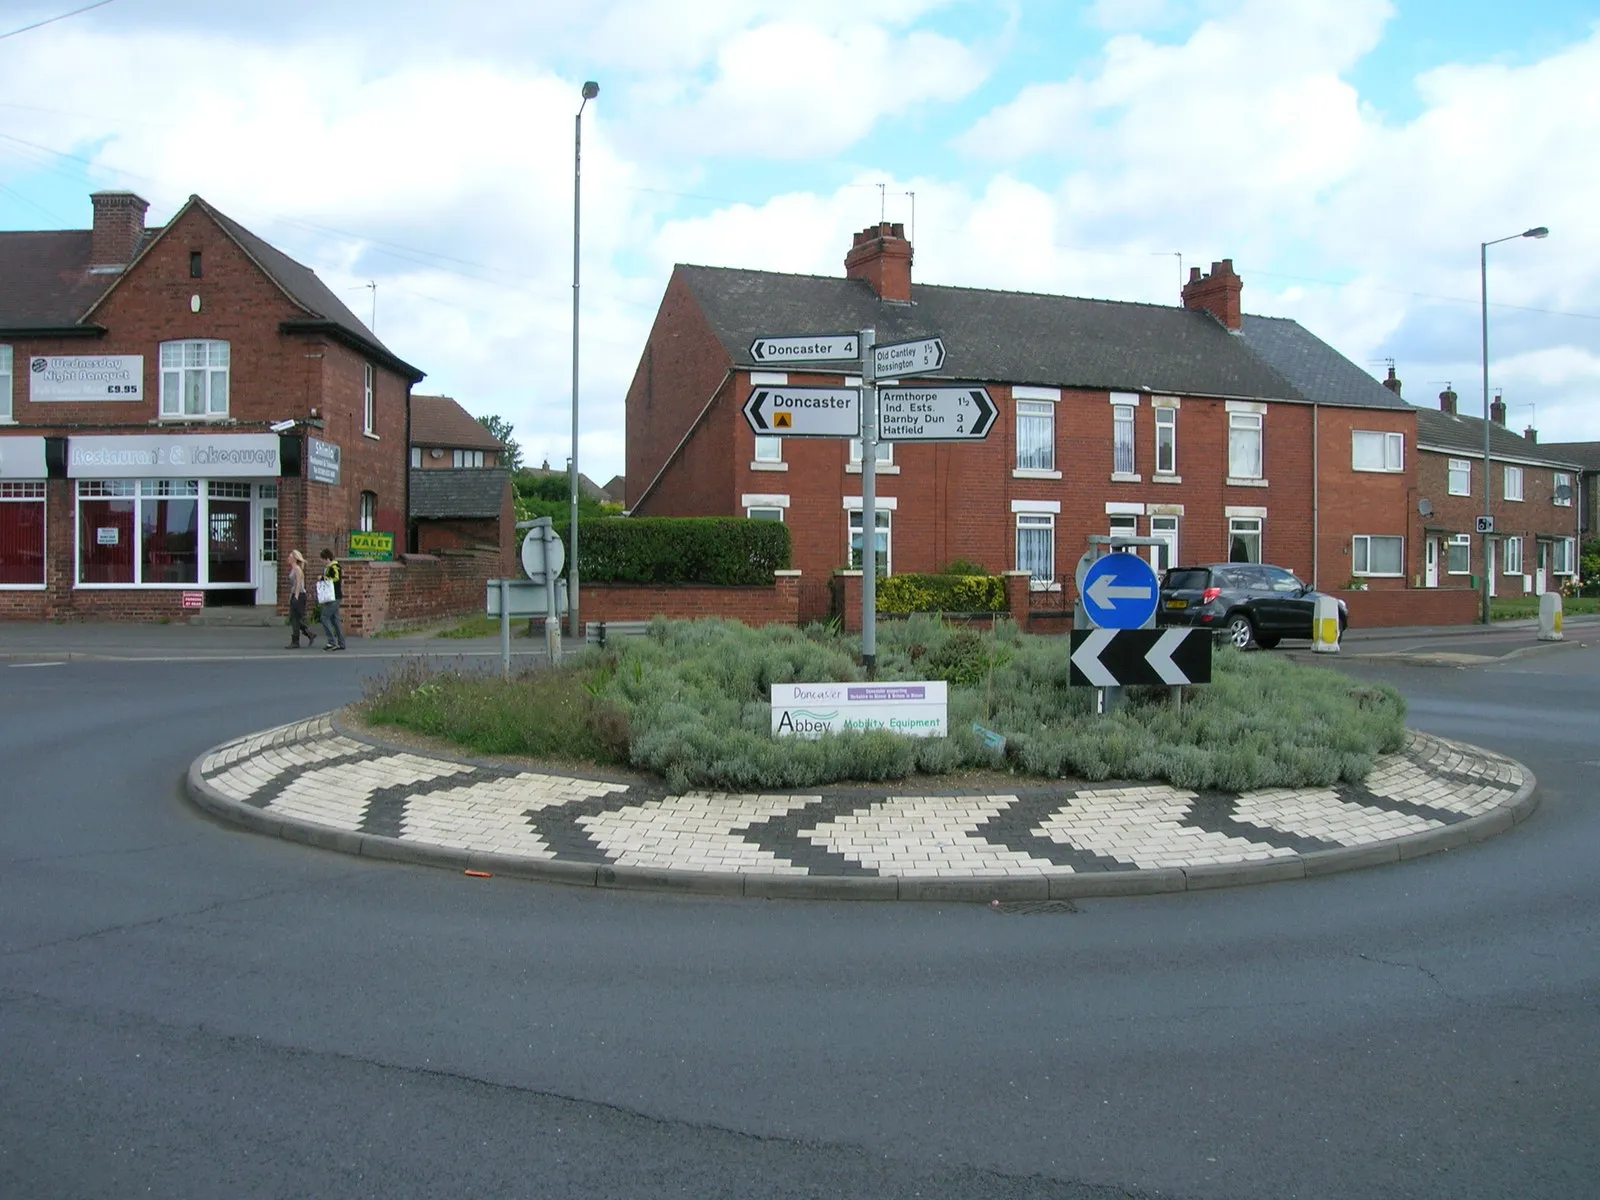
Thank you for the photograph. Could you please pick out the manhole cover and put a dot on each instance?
(1032, 908)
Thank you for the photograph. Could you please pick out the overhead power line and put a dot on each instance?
(52, 20)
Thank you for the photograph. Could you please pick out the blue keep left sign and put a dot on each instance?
(1120, 592)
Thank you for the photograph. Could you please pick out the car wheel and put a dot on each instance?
(1266, 640)
(1241, 633)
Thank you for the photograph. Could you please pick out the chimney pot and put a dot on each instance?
(1531, 434)
(881, 256)
(1217, 293)
(1392, 383)
(1447, 401)
(1194, 274)
(1497, 411)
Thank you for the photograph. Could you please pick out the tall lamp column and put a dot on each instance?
(575, 628)
(1538, 231)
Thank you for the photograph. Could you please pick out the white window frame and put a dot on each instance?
(1124, 460)
(764, 512)
(1034, 522)
(369, 403)
(1248, 527)
(1512, 474)
(139, 491)
(1166, 446)
(1460, 468)
(769, 449)
(1386, 449)
(369, 512)
(1561, 479)
(29, 491)
(1462, 541)
(1037, 411)
(416, 456)
(1165, 526)
(885, 452)
(1563, 551)
(213, 371)
(468, 459)
(1241, 424)
(7, 410)
(1361, 555)
(853, 525)
(1511, 556)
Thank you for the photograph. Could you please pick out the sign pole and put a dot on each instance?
(505, 628)
(869, 504)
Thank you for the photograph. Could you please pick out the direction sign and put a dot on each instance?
(1119, 592)
(935, 414)
(896, 360)
(1129, 657)
(805, 412)
(806, 347)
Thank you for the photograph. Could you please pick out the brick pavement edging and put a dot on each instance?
(323, 784)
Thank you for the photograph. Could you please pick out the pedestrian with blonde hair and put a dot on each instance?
(297, 601)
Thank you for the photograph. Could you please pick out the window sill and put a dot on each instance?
(193, 419)
(1030, 473)
(1126, 477)
(367, 434)
(9, 421)
(1376, 575)
(1378, 470)
(1458, 493)
(883, 469)
(1166, 479)
(1038, 588)
(22, 587)
(769, 466)
(1235, 481)
(1512, 499)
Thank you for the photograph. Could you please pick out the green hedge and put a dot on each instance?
(942, 593)
(662, 550)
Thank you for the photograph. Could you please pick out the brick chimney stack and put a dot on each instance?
(1217, 293)
(882, 256)
(1531, 434)
(1392, 383)
(1497, 411)
(1447, 400)
(118, 228)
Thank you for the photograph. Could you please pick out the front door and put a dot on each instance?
(267, 544)
(1541, 575)
(1431, 578)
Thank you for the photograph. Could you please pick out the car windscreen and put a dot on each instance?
(1187, 580)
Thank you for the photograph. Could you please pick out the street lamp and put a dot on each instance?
(591, 89)
(1538, 231)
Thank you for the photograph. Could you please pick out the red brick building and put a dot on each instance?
(1533, 497)
(1223, 435)
(178, 407)
(460, 494)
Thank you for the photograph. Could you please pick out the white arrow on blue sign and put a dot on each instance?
(1120, 591)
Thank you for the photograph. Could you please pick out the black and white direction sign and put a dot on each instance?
(807, 347)
(934, 414)
(1128, 657)
(896, 360)
(805, 412)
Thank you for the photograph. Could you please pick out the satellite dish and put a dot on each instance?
(1425, 507)
(1564, 492)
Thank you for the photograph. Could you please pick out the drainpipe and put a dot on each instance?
(1316, 492)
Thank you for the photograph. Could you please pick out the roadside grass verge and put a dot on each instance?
(690, 703)
(1512, 608)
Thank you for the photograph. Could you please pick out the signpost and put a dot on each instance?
(807, 347)
(804, 412)
(896, 360)
(935, 414)
(1120, 592)
(543, 556)
(1108, 658)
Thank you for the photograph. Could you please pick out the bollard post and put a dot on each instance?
(1325, 626)
(1550, 617)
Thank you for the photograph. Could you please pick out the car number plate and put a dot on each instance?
(1177, 604)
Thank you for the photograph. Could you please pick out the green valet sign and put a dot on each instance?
(378, 547)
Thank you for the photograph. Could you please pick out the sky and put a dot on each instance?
(1350, 156)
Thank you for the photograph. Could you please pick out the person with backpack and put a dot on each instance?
(330, 590)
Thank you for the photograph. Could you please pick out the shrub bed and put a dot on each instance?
(690, 703)
(941, 594)
(728, 551)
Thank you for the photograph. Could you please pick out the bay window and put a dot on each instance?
(22, 529)
(194, 379)
(1376, 555)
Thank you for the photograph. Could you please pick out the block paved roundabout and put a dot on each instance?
(321, 782)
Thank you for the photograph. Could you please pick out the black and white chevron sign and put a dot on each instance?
(1127, 657)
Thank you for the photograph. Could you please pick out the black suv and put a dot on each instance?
(1247, 603)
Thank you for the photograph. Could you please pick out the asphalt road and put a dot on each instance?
(189, 1010)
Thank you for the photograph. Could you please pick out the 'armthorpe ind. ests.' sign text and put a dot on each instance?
(809, 710)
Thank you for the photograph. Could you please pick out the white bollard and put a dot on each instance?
(1550, 617)
(1325, 626)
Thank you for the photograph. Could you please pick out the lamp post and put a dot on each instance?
(591, 89)
(1538, 231)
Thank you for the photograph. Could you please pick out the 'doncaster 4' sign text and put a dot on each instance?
(809, 710)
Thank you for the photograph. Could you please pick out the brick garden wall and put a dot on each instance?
(1413, 606)
(415, 589)
(778, 604)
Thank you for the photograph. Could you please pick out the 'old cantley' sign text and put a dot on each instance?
(809, 710)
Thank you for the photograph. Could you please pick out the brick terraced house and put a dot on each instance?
(1533, 493)
(460, 494)
(1225, 436)
(179, 406)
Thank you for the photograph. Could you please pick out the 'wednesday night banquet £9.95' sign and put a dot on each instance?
(809, 710)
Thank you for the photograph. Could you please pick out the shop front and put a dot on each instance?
(23, 540)
(192, 513)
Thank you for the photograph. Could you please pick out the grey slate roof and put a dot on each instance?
(455, 493)
(1317, 370)
(1464, 435)
(1002, 337)
(1585, 454)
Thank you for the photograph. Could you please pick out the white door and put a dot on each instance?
(1165, 555)
(1431, 578)
(267, 544)
(1490, 553)
(1541, 574)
